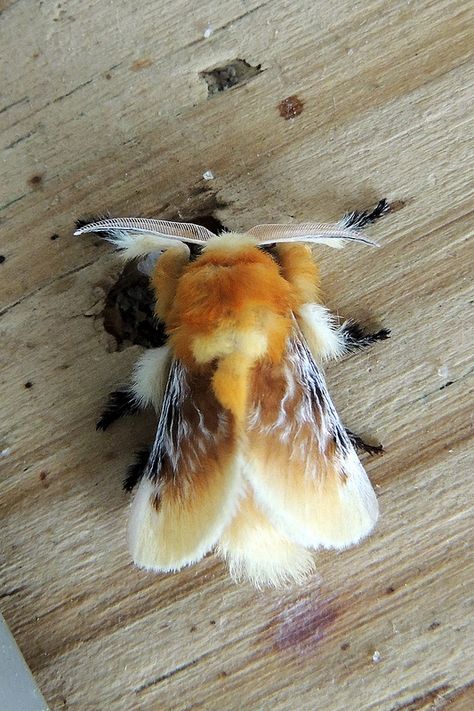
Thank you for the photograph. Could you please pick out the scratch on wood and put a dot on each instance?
(19, 140)
(425, 701)
(12, 202)
(10, 593)
(171, 673)
(73, 91)
(15, 103)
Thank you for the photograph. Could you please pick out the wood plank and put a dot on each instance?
(104, 109)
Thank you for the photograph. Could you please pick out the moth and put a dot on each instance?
(250, 457)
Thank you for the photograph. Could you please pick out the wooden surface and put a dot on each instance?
(104, 108)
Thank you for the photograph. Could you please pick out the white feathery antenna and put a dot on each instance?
(187, 231)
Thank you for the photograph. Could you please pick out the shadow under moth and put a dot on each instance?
(250, 457)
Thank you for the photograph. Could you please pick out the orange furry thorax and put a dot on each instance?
(232, 306)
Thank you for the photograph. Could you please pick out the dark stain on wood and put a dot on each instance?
(43, 477)
(235, 73)
(36, 181)
(397, 205)
(291, 107)
(128, 313)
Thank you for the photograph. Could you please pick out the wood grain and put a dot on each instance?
(104, 109)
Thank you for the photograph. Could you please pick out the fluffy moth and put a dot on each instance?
(250, 458)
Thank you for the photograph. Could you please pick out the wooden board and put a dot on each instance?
(104, 108)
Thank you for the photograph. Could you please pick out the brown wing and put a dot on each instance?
(191, 487)
(301, 465)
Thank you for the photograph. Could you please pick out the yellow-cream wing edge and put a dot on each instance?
(192, 482)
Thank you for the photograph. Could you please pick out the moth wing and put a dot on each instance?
(255, 549)
(191, 485)
(303, 469)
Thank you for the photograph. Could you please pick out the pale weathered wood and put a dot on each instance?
(103, 108)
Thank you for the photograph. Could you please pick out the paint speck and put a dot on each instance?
(208, 31)
(5, 452)
(290, 107)
(443, 372)
(208, 175)
(28, 384)
(140, 64)
(376, 657)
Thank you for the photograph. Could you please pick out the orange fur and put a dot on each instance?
(167, 272)
(231, 307)
(299, 267)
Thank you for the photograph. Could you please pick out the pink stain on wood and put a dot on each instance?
(304, 625)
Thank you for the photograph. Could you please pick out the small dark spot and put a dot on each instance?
(212, 622)
(390, 590)
(222, 675)
(447, 384)
(345, 646)
(193, 628)
(434, 625)
(108, 75)
(140, 64)
(237, 72)
(43, 477)
(2, 258)
(35, 55)
(28, 384)
(290, 107)
(54, 237)
(35, 181)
